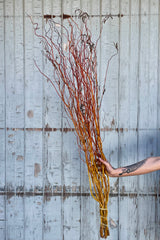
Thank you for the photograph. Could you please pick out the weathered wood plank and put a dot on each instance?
(14, 161)
(2, 66)
(147, 73)
(37, 7)
(72, 218)
(71, 162)
(128, 156)
(147, 147)
(9, 8)
(146, 218)
(52, 162)
(110, 148)
(128, 218)
(2, 160)
(133, 63)
(109, 110)
(18, 9)
(19, 65)
(52, 102)
(2, 217)
(10, 72)
(53, 218)
(15, 218)
(33, 79)
(33, 217)
(14, 68)
(47, 7)
(90, 219)
(153, 64)
(113, 218)
(124, 81)
(33, 162)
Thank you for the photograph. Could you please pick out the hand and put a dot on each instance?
(110, 170)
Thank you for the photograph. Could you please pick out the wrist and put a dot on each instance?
(114, 172)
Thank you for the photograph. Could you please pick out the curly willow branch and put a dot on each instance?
(73, 57)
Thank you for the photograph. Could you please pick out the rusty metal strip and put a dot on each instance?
(77, 194)
(72, 129)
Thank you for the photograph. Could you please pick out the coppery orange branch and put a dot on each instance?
(76, 83)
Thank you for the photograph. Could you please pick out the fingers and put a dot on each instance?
(101, 160)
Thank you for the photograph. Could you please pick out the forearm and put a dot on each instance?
(145, 166)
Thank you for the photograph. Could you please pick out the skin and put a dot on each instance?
(147, 165)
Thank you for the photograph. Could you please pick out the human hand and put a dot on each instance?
(110, 170)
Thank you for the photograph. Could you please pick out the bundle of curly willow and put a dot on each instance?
(73, 56)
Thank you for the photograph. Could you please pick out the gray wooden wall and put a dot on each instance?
(44, 190)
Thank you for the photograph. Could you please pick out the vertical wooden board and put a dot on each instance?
(52, 102)
(52, 105)
(33, 78)
(90, 220)
(134, 6)
(2, 160)
(10, 73)
(10, 160)
(123, 92)
(128, 218)
(71, 163)
(110, 148)
(158, 219)
(9, 8)
(66, 7)
(14, 70)
(18, 9)
(147, 148)
(153, 66)
(19, 64)
(2, 12)
(146, 217)
(52, 218)
(47, 6)
(37, 7)
(33, 217)
(86, 6)
(76, 4)
(113, 218)
(15, 160)
(14, 218)
(133, 63)
(144, 67)
(114, 7)
(72, 218)
(33, 162)
(52, 161)
(2, 65)
(2, 217)
(28, 6)
(19, 161)
(128, 156)
(56, 9)
(110, 34)
(149, 7)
